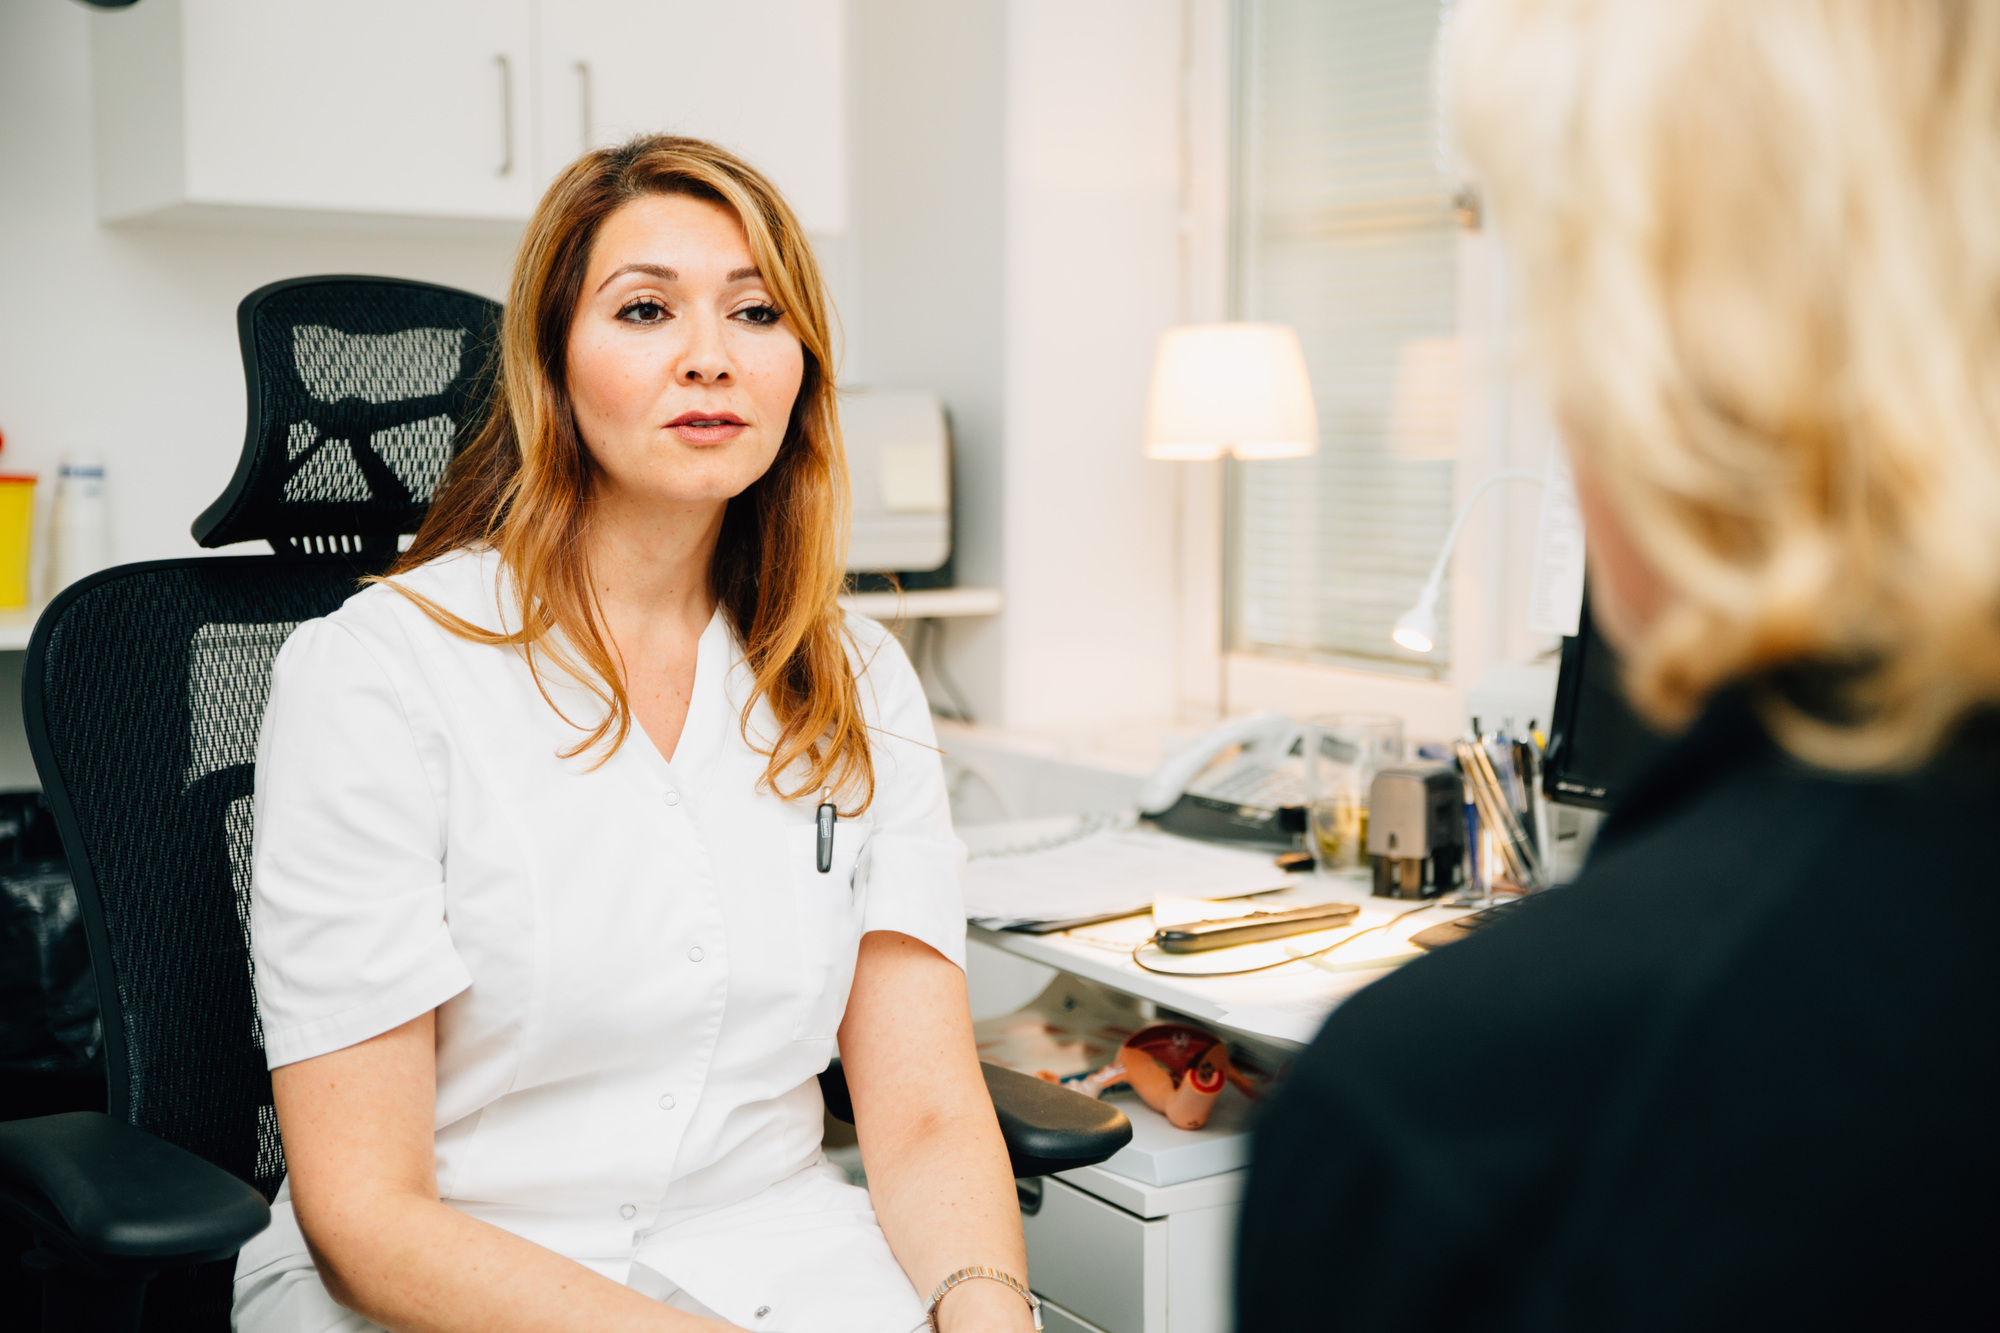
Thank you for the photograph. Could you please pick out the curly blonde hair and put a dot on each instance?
(1758, 244)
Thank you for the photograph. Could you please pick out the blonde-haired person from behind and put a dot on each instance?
(1742, 1073)
(548, 947)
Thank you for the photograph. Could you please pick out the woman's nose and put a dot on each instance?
(705, 359)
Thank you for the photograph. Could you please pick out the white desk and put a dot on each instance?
(1284, 1006)
(1111, 1254)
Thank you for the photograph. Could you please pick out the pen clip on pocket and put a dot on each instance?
(824, 818)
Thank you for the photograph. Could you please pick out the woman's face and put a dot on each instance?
(682, 370)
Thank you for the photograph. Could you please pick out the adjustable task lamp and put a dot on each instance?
(1230, 388)
(1417, 628)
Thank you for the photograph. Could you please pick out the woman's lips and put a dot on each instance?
(707, 427)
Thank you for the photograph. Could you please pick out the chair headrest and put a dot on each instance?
(361, 390)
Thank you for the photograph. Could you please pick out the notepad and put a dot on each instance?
(1052, 874)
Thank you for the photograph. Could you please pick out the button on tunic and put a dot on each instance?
(590, 938)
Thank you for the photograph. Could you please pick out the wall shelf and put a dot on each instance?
(16, 624)
(924, 603)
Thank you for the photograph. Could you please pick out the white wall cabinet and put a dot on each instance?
(762, 77)
(365, 112)
(226, 109)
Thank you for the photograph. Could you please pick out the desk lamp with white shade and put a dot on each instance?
(1240, 389)
(1232, 388)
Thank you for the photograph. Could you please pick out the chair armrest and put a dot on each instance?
(117, 1200)
(1047, 1127)
(1050, 1128)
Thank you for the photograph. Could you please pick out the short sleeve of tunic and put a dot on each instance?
(913, 863)
(347, 922)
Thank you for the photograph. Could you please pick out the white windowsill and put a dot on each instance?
(1430, 709)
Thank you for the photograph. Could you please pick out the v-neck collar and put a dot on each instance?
(714, 659)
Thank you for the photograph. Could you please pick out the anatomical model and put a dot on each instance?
(1177, 1070)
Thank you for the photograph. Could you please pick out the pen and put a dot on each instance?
(826, 817)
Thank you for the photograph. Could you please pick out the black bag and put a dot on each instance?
(48, 997)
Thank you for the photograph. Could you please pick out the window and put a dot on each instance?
(1345, 230)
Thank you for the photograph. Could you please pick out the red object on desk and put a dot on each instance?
(1176, 1069)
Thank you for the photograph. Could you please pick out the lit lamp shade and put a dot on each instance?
(1235, 388)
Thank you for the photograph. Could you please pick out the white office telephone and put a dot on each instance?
(1243, 781)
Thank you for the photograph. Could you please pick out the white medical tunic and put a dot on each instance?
(638, 967)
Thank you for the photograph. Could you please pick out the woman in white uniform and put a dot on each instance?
(548, 948)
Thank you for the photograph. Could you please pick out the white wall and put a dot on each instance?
(1016, 233)
(929, 244)
(1093, 183)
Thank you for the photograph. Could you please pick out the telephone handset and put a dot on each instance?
(1242, 782)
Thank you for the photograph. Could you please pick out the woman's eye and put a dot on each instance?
(761, 314)
(643, 311)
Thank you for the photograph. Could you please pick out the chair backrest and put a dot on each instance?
(145, 687)
(357, 389)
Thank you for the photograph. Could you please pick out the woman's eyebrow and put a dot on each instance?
(665, 274)
(660, 271)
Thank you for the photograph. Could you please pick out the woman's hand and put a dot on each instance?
(361, 1155)
(937, 1166)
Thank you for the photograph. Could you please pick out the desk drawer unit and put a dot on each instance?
(1109, 1254)
(1097, 1261)
(1055, 1319)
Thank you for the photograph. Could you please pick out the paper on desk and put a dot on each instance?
(1114, 870)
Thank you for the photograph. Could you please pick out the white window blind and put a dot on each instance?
(1345, 231)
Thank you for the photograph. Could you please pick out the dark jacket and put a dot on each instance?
(1741, 1074)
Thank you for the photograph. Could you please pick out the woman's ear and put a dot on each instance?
(1626, 593)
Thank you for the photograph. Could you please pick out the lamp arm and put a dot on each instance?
(1436, 580)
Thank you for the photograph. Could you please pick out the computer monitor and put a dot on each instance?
(1597, 744)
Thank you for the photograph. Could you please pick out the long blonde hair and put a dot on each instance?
(522, 485)
(1760, 273)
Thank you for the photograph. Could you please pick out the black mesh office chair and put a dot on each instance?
(144, 690)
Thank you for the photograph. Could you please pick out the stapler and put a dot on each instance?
(1416, 831)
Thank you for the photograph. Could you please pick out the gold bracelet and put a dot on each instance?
(991, 1274)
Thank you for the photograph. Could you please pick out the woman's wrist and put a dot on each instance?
(983, 1307)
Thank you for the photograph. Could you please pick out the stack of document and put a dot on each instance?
(1052, 874)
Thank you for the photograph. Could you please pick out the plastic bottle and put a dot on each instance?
(79, 527)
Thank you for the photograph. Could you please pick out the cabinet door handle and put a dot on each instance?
(506, 115)
(583, 109)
